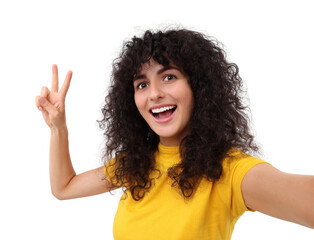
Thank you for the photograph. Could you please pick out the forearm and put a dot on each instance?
(60, 166)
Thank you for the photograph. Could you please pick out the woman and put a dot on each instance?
(178, 136)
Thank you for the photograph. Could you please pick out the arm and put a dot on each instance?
(65, 184)
(286, 196)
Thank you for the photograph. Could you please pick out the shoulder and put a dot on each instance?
(237, 164)
(235, 167)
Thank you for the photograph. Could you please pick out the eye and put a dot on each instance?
(141, 85)
(169, 77)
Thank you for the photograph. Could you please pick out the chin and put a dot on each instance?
(169, 136)
(165, 133)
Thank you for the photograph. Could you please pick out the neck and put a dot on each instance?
(169, 142)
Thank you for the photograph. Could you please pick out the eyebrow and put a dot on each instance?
(165, 68)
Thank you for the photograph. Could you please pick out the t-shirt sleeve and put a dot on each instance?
(238, 168)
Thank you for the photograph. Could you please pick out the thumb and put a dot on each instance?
(45, 104)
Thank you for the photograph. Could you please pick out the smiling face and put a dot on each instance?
(164, 98)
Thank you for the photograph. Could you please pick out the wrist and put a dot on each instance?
(59, 129)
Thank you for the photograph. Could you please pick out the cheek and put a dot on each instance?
(190, 105)
(140, 103)
(185, 95)
(137, 101)
(189, 97)
(188, 101)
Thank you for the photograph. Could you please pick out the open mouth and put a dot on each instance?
(163, 112)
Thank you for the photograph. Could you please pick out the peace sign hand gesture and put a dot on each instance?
(52, 103)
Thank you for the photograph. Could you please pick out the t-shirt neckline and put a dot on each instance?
(167, 149)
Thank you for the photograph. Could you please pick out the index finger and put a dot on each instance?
(54, 83)
(66, 84)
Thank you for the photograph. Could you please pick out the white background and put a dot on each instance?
(271, 41)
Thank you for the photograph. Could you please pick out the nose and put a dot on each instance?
(156, 91)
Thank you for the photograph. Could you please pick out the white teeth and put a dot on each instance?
(159, 110)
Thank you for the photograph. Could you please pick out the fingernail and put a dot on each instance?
(42, 100)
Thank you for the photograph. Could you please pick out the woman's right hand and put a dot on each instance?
(52, 103)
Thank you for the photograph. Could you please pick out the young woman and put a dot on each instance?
(178, 141)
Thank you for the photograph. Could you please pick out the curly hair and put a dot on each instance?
(219, 120)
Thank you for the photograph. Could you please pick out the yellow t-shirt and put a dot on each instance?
(163, 214)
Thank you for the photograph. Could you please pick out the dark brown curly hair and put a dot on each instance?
(219, 120)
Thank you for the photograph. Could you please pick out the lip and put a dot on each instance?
(164, 120)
